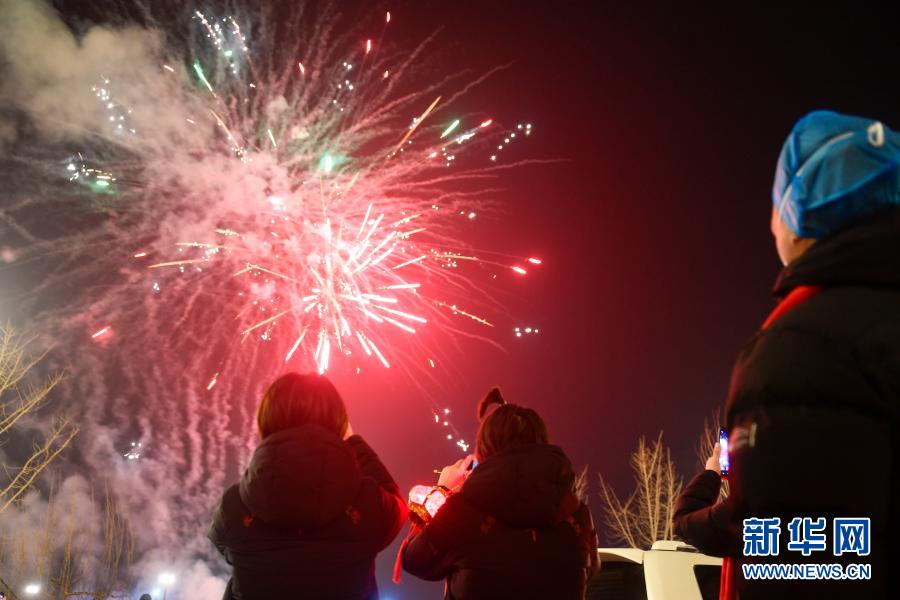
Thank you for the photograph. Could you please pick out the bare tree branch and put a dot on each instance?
(646, 516)
(41, 457)
(60, 558)
(55, 555)
(15, 403)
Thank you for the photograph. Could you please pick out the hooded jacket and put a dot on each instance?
(515, 530)
(813, 414)
(308, 518)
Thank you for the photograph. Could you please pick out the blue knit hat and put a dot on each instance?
(834, 169)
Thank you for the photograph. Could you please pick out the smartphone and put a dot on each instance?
(473, 464)
(723, 456)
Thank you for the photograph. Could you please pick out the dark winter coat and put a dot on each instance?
(515, 530)
(709, 530)
(307, 518)
(813, 414)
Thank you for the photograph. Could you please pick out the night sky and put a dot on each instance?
(655, 228)
(653, 224)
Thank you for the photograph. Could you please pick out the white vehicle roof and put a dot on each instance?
(635, 555)
(668, 567)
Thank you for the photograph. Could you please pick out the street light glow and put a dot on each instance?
(32, 589)
(167, 579)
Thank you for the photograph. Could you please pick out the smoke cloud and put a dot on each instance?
(50, 74)
(49, 82)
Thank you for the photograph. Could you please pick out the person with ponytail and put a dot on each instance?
(505, 522)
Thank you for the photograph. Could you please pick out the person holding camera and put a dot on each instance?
(505, 522)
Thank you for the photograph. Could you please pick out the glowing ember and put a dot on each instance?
(101, 332)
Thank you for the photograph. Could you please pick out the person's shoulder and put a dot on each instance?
(227, 517)
(232, 507)
(841, 314)
(813, 354)
(830, 327)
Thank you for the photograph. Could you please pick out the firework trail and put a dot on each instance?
(239, 192)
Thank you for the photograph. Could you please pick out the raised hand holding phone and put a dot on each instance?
(452, 476)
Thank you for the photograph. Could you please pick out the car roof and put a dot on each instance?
(636, 555)
(633, 555)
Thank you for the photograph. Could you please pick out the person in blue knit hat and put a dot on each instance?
(814, 403)
(833, 170)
